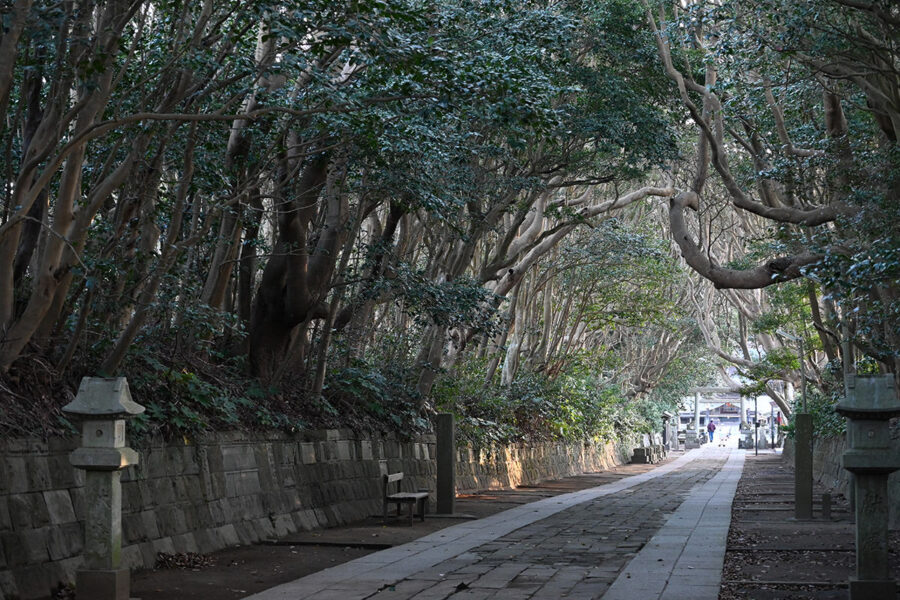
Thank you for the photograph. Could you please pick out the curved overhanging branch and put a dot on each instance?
(785, 214)
(781, 128)
(774, 271)
(872, 7)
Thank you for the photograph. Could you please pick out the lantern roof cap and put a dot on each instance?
(102, 397)
(870, 397)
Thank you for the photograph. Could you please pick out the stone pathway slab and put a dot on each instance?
(569, 546)
(685, 557)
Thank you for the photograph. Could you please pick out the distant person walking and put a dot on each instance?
(711, 429)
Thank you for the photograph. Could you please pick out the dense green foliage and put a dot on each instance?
(276, 215)
(268, 214)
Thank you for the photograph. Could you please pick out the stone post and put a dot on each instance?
(697, 412)
(772, 424)
(446, 464)
(102, 405)
(756, 425)
(869, 403)
(803, 466)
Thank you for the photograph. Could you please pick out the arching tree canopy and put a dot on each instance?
(273, 212)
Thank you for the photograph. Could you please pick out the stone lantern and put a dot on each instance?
(869, 404)
(666, 416)
(102, 406)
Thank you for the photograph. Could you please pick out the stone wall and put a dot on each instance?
(228, 489)
(497, 467)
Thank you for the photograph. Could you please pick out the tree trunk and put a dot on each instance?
(247, 265)
(288, 293)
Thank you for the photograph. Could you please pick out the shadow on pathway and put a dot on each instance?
(668, 525)
(234, 573)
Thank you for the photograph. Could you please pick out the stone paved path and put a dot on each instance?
(687, 554)
(639, 538)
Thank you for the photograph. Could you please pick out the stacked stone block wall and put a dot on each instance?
(499, 466)
(228, 489)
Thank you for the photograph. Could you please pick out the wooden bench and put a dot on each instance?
(419, 499)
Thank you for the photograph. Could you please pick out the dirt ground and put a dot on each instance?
(771, 556)
(239, 572)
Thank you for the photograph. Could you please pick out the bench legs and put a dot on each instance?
(384, 510)
(420, 503)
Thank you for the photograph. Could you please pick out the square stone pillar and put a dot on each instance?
(803, 466)
(697, 411)
(446, 464)
(103, 520)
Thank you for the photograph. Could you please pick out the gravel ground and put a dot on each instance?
(770, 556)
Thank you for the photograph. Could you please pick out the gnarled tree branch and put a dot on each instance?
(774, 271)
